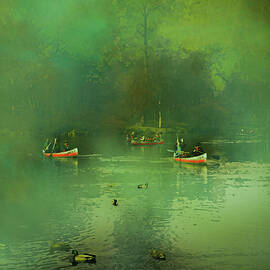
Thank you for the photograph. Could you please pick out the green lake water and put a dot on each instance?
(201, 217)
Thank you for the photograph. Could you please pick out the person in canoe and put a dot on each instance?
(133, 136)
(178, 151)
(48, 146)
(142, 138)
(51, 145)
(66, 147)
(180, 148)
(56, 147)
(197, 150)
(182, 144)
(157, 137)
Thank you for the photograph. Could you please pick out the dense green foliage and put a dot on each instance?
(86, 63)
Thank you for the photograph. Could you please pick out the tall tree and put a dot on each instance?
(138, 20)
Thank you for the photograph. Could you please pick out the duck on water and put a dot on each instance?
(82, 258)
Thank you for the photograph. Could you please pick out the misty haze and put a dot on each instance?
(135, 134)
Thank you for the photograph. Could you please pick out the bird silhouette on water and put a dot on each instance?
(115, 203)
(158, 255)
(143, 186)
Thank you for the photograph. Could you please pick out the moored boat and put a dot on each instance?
(197, 156)
(192, 159)
(70, 153)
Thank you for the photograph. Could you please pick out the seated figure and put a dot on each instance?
(197, 150)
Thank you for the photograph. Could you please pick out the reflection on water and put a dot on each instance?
(201, 217)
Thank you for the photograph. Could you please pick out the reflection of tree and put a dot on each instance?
(146, 212)
(195, 184)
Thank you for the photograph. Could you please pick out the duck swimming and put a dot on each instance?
(79, 258)
(158, 255)
(143, 186)
(115, 203)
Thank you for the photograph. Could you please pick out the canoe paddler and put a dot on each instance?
(66, 146)
(56, 147)
(48, 146)
(178, 151)
(198, 149)
(157, 137)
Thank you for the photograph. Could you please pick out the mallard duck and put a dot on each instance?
(158, 255)
(143, 186)
(115, 203)
(79, 258)
(60, 246)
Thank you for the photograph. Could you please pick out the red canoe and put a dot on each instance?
(193, 159)
(70, 153)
